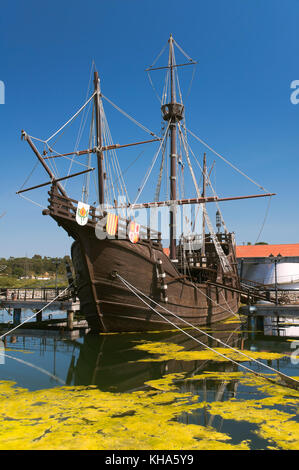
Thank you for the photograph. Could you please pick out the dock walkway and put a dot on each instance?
(41, 298)
(270, 310)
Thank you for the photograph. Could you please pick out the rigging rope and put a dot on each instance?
(151, 167)
(71, 119)
(79, 136)
(30, 174)
(212, 188)
(264, 221)
(226, 161)
(153, 87)
(223, 259)
(203, 293)
(30, 200)
(182, 51)
(130, 117)
(158, 187)
(159, 55)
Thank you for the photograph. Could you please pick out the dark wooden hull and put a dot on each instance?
(110, 306)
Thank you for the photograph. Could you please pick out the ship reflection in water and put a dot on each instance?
(115, 362)
(158, 362)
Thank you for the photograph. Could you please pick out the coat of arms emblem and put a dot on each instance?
(82, 213)
(134, 232)
(112, 222)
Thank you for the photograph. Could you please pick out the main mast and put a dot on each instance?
(99, 137)
(204, 173)
(172, 112)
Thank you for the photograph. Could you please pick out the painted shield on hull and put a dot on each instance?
(134, 232)
(82, 213)
(111, 225)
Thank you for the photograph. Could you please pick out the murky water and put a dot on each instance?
(149, 391)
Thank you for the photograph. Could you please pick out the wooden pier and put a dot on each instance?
(41, 299)
(270, 310)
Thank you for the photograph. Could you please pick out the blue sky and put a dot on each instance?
(247, 53)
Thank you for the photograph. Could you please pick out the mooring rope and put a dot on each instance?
(209, 298)
(34, 315)
(281, 374)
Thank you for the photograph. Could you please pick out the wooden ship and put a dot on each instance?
(124, 273)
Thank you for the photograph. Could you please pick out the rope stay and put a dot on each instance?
(159, 55)
(32, 202)
(239, 171)
(158, 187)
(223, 258)
(226, 161)
(209, 182)
(71, 119)
(129, 117)
(150, 168)
(83, 121)
(264, 221)
(111, 162)
(281, 374)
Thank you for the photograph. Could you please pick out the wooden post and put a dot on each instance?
(260, 323)
(252, 326)
(17, 316)
(70, 319)
(241, 269)
(276, 293)
(39, 317)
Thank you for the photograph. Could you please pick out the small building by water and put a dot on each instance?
(271, 265)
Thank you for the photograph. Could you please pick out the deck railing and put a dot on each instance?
(30, 293)
(66, 208)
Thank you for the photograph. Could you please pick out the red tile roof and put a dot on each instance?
(257, 251)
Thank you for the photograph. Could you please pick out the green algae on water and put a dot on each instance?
(84, 417)
(87, 418)
(167, 351)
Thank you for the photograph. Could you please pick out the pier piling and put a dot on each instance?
(17, 316)
(70, 319)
